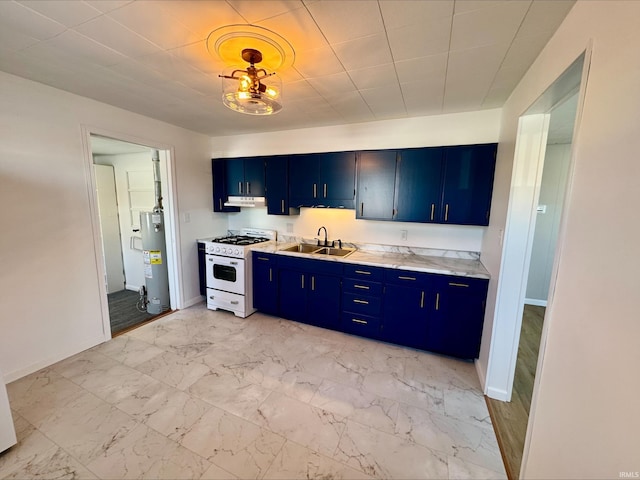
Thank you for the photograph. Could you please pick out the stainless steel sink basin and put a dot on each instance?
(315, 249)
(338, 252)
(302, 248)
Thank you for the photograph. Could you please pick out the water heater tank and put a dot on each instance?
(156, 275)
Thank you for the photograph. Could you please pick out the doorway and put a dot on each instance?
(511, 418)
(125, 186)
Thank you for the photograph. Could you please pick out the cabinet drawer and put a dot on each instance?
(372, 274)
(265, 258)
(361, 287)
(363, 304)
(362, 325)
(408, 277)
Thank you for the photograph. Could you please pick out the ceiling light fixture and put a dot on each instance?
(244, 92)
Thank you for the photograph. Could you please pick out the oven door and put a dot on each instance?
(224, 273)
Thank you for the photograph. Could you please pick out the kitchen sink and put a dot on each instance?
(338, 252)
(302, 248)
(315, 249)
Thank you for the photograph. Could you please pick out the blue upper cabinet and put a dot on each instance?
(418, 180)
(322, 180)
(467, 184)
(245, 177)
(220, 194)
(277, 185)
(376, 178)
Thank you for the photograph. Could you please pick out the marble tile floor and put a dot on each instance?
(203, 394)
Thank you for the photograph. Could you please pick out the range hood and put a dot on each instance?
(245, 202)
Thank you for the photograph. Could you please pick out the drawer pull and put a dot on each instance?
(437, 301)
(364, 302)
(263, 258)
(234, 302)
(363, 287)
(364, 322)
(453, 284)
(282, 206)
(271, 275)
(406, 278)
(313, 283)
(362, 272)
(422, 299)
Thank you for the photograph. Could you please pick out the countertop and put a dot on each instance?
(402, 258)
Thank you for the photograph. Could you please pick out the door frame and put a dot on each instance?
(172, 234)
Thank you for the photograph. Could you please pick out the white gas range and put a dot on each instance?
(228, 270)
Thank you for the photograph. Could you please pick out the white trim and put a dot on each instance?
(133, 288)
(497, 394)
(47, 362)
(481, 373)
(167, 169)
(193, 301)
(535, 302)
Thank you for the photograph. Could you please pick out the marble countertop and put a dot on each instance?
(462, 264)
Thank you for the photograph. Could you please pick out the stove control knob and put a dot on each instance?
(224, 250)
(237, 252)
(217, 249)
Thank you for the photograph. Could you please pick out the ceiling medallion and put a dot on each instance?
(245, 89)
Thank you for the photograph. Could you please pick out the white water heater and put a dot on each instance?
(156, 275)
(154, 248)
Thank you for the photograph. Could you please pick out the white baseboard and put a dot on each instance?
(535, 302)
(497, 394)
(481, 375)
(133, 288)
(66, 353)
(193, 301)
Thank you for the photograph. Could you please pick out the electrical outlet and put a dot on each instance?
(289, 227)
(187, 217)
(403, 234)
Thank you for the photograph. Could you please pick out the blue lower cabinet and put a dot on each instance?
(265, 282)
(307, 296)
(362, 325)
(405, 315)
(292, 294)
(455, 328)
(323, 301)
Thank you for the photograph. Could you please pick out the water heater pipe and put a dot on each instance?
(155, 158)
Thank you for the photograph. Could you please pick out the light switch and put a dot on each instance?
(542, 209)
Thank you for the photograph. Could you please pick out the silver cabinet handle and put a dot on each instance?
(325, 190)
(282, 206)
(302, 277)
(263, 258)
(364, 302)
(240, 187)
(362, 272)
(422, 299)
(406, 278)
(315, 190)
(433, 208)
(220, 204)
(363, 287)
(446, 212)
(437, 301)
(364, 322)
(271, 275)
(453, 284)
(248, 187)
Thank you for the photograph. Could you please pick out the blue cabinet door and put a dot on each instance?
(254, 176)
(376, 173)
(303, 180)
(292, 294)
(265, 282)
(323, 304)
(336, 185)
(277, 185)
(235, 176)
(468, 184)
(418, 181)
(220, 194)
(455, 328)
(405, 315)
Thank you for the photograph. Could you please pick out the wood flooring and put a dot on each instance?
(510, 418)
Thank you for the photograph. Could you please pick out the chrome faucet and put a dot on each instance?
(326, 241)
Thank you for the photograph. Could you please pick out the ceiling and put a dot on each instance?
(355, 61)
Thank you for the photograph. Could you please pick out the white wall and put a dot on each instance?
(585, 415)
(49, 287)
(552, 190)
(454, 129)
